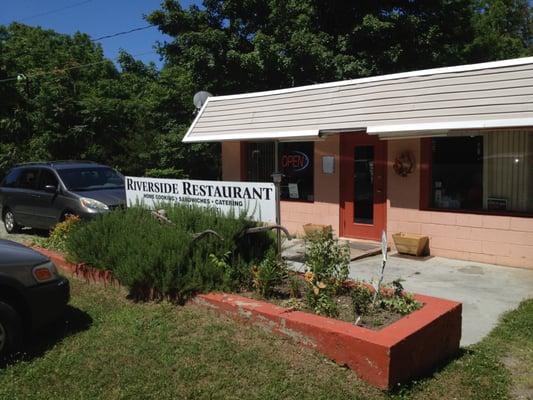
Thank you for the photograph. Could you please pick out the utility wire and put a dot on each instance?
(54, 11)
(142, 28)
(92, 40)
(61, 70)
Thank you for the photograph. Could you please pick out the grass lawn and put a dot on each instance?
(107, 347)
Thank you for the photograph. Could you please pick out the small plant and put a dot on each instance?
(326, 258)
(327, 268)
(268, 274)
(59, 234)
(324, 304)
(361, 297)
(294, 283)
(396, 300)
(221, 263)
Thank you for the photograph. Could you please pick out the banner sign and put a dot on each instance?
(257, 199)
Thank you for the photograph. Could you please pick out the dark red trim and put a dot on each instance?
(347, 227)
(298, 201)
(425, 173)
(244, 148)
(481, 212)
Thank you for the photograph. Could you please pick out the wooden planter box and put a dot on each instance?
(410, 243)
(309, 229)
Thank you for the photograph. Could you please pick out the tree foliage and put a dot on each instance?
(72, 102)
(247, 45)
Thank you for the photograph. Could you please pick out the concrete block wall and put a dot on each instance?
(483, 238)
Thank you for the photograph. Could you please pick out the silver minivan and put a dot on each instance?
(39, 195)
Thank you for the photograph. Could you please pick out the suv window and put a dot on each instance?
(28, 179)
(10, 181)
(46, 177)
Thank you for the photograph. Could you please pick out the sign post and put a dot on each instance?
(384, 248)
(277, 177)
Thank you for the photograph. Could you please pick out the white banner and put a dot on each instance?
(258, 199)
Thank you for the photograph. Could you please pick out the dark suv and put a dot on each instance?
(32, 293)
(39, 195)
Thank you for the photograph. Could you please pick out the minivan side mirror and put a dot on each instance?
(50, 188)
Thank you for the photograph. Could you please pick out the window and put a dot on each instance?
(47, 178)
(10, 181)
(28, 179)
(487, 172)
(296, 163)
(95, 178)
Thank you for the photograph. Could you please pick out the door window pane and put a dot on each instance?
(46, 178)
(363, 185)
(28, 179)
(11, 179)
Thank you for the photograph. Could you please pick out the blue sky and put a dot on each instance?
(94, 17)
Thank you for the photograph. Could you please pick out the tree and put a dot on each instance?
(72, 103)
(230, 46)
(503, 29)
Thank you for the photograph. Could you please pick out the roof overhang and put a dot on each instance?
(434, 102)
(443, 128)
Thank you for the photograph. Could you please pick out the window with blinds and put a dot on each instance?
(490, 171)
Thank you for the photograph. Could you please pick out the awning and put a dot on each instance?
(487, 95)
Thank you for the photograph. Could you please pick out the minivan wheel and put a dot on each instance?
(10, 223)
(10, 329)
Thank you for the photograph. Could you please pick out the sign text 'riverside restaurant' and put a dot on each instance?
(257, 199)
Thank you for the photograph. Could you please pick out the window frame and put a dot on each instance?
(244, 175)
(426, 169)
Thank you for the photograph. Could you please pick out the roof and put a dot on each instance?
(475, 96)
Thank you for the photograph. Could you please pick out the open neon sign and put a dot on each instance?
(295, 160)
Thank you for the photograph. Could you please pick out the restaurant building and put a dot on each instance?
(445, 152)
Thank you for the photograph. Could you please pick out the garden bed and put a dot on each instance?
(411, 347)
(283, 297)
(406, 349)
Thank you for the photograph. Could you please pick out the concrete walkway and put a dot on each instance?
(486, 291)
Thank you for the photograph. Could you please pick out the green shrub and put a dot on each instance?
(59, 234)
(326, 258)
(361, 297)
(327, 264)
(157, 260)
(396, 300)
(268, 274)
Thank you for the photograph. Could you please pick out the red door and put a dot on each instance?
(362, 186)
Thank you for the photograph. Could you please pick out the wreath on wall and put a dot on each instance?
(404, 164)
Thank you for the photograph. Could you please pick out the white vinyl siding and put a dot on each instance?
(485, 92)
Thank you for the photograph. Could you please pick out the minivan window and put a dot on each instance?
(28, 179)
(46, 178)
(10, 181)
(95, 178)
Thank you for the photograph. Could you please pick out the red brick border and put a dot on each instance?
(81, 271)
(409, 348)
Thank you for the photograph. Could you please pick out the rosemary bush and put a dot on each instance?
(156, 260)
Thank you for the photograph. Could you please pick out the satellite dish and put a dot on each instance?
(200, 98)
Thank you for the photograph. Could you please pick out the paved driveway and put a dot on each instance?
(25, 236)
(486, 291)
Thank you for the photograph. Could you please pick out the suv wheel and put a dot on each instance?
(10, 222)
(10, 329)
